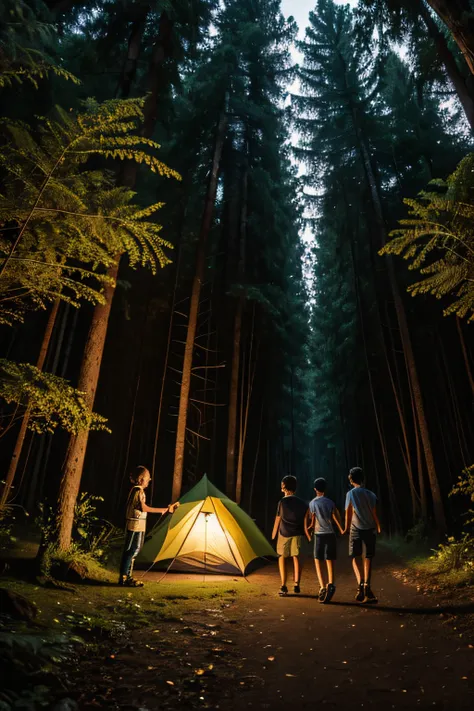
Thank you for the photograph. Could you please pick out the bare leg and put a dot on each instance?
(330, 567)
(319, 572)
(282, 567)
(367, 570)
(297, 568)
(355, 567)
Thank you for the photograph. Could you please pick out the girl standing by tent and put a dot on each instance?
(136, 512)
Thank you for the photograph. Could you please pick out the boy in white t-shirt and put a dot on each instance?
(322, 515)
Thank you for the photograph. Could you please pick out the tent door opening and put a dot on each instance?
(215, 556)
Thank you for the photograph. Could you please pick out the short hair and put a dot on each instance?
(138, 475)
(356, 475)
(320, 484)
(289, 482)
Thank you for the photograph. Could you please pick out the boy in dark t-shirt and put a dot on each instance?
(290, 528)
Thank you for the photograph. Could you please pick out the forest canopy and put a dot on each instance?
(200, 244)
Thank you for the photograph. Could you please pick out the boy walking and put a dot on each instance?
(136, 513)
(321, 517)
(290, 527)
(363, 525)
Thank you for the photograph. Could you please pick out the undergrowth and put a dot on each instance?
(450, 563)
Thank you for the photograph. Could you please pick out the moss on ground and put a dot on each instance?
(100, 598)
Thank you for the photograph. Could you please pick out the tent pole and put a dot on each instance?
(205, 545)
(225, 534)
(182, 544)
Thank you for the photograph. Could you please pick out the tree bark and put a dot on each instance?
(194, 307)
(94, 348)
(465, 354)
(257, 454)
(450, 64)
(234, 379)
(233, 399)
(458, 16)
(26, 417)
(134, 47)
(88, 380)
(244, 412)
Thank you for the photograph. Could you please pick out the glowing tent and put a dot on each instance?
(208, 532)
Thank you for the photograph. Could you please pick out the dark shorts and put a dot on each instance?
(359, 539)
(325, 546)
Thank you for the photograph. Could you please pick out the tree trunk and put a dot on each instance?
(458, 16)
(244, 412)
(133, 52)
(415, 499)
(234, 379)
(255, 464)
(450, 64)
(383, 444)
(465, 354)
(26, 417)
(88, 380)
(233, 405)
(194, 307)
(94, 348)
(438, 506)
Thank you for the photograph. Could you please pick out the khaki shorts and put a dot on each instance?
(289, 547)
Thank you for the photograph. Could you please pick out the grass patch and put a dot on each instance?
(435, 574)
(410, 550)
(432, 566)
(102, 602)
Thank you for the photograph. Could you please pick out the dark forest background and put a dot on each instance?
(277, 339)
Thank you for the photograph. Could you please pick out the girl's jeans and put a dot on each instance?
(133, 544)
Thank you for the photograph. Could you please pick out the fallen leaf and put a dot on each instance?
(271, 659)
(171, 683)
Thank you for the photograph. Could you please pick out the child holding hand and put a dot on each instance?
(321, 518)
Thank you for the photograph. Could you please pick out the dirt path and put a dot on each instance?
(255, 650)
(398, 654)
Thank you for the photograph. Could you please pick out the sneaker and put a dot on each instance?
(360, 593)
(132, 583)
(296, 588)
(283, 590)
(330, 590)
(322, 595)
(369, 596)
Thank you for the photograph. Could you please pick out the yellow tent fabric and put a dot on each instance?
(207, 533)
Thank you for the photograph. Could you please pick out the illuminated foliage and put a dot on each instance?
(62, 224)
(25, 38)
(51, 402)
(440, 229)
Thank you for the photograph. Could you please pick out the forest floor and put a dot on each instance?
(226, 643)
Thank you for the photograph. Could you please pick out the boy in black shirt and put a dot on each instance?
(289, 525)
